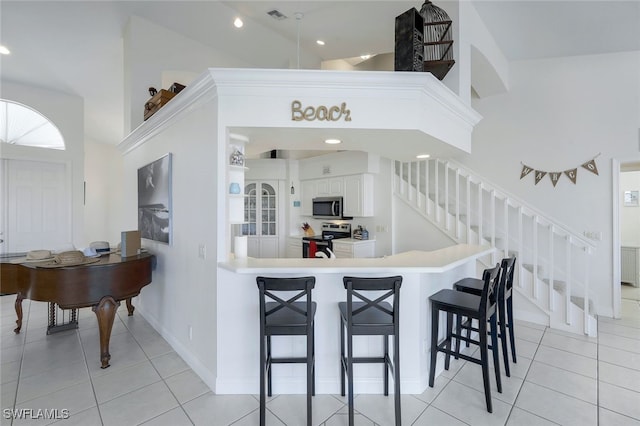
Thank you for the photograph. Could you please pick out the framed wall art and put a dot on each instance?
(631, 198)
(154, 200)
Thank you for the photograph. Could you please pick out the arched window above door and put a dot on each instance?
(23, 125)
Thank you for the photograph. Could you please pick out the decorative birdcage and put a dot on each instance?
(438, 52)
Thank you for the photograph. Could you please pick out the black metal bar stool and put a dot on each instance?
(371, 317)
(505, 306)
(481, 308)
(286, 316)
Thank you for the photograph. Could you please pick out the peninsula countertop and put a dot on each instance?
(411, 261)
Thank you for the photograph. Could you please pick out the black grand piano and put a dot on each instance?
(101, 285)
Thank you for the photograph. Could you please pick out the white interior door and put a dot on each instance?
(36, 206)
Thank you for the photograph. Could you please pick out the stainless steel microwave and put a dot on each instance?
(327, 207)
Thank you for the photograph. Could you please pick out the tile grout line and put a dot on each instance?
(86, 364)
(162, 379)
(524, 380)
(24, 324)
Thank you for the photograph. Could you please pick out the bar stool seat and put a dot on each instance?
(482, 308)
(369, 317)
(505, 306)
(286, 316)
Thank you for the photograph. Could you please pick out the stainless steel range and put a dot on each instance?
(322, 242)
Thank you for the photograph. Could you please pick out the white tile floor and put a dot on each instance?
(559, 379)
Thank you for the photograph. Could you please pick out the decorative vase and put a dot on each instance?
(234, 188)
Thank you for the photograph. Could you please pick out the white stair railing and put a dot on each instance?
(475, 211)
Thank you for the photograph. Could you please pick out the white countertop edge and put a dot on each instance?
(415, 261)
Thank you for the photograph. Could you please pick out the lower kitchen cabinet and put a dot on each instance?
(294, 247)
(262, 247)
(349, 248)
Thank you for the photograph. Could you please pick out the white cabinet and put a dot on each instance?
(358, 195)
(262, 247)
(309, 192)
(330, 187)
(294, 247)
(347, 248)
(356, 190)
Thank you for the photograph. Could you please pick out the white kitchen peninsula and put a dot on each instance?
(423, 274)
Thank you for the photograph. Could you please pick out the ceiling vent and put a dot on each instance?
(277, 15)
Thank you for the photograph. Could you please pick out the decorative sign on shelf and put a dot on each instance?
(572, 174)
(321, 113)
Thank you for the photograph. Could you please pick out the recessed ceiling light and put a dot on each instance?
(365, 57)
(238, 23)
(423, 156)
(4, 50)
(332, 141)
(320, 42)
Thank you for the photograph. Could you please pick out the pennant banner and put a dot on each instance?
(572, 174)
(554, 177)
(591, 166)
(539, 175)
(525, 171)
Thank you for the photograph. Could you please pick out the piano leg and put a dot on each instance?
(105, 311)
(130, 307)
(18, 306)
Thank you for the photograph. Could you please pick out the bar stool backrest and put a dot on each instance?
(270, 302)
(506, 282)
(363, 307)
(489, 297)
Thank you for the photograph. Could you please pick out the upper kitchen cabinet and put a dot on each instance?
(357, 192)
(331, 187)
(358, 195)
(347, 174)
(309, 192)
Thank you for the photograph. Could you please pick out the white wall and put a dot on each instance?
(629, 216)
(103, 208)
(183, 291)
(66, 111)
(413, 232)
(558, 114)
(151, 50)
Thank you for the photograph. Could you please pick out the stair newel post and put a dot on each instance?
(569, 280)
(551, 266)
(436, 205)
(494, 255)
(405, 182)
(520, 244)
(426, 187)
(446, 196)
(468, 209)
(419, 199)
(480, 215)
(409, 182)
(587, 252)
(506, 226)
(534, 288)
(457, 204)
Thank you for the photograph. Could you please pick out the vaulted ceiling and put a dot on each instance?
(76, 46)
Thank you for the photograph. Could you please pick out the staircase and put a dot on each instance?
(552, 280)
